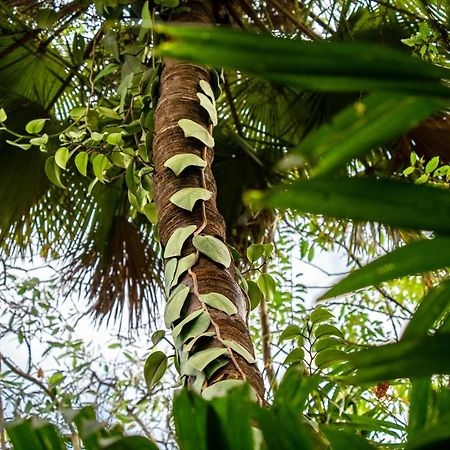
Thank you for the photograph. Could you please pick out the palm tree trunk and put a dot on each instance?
(179, 85)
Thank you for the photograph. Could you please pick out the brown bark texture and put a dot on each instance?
(178, 99)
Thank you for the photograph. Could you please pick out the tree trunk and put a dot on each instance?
(179, 85)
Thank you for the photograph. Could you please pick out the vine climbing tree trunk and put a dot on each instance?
(207, 309)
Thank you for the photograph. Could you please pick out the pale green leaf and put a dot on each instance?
(3, 115)
(187, 197)
(213, 248)
(175, 304)
(238, 348)
(201, 359)
(108, 112)
(432, 164)
(184, 264)
(180, 162)
(81, 162)
(99, 165)
(154, 368)
(221, 388)
(41, 140)
(193, 129)
(193, 329)
(151, 213)
(18, 144)
(177, 330)
(320, 315)
(176, 241)
(169, 272)
(218, 301)
(35, 126)
(327, 357)
(188, 347)
(53, 172)
(207, 89)
(209, 107)
(62, 156)
(114, 139)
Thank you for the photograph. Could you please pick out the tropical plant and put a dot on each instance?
(320, 167)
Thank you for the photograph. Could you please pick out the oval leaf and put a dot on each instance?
(178, 163)
(221, 388)
(154, 368)
(209, 107)
(35, 126)
(207, 89)
(193, 129)
(219, 301)
(53, 172)
(213, 248)
(240, 350)
(184, 264)
(294, 356)
(290, 332)
(99, 164)
(175, 304)
(201, 359)
(186, 198)
(176, 241)
(61, 157)
(81, 162)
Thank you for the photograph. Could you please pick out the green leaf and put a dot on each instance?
(175, 304)
(176, 241)
(53, 172)
(151, 213)
(326, 329)
(326, 358)
(239, 349)
(169, 272)
(18, 144)
(209, 107)
(254, 294)
(432, 308)
(394, 203)
(81, 162)
(177, 330)
(158, 336)
(111, 114)
(35, 126)
(326, 342)
(219, 301)
(372, 121)
(146, 17)
(318, 65)
(41, 140)
(62, 156)
(432, 164)
(294, 356)
(202, 358)
(221, 388)
(254, 252)
(267, 285)
(193, 129)
(115, 139)
(154, 368)
(3, 115)
(192, 342)
(193, 328)
(213, 248)
(99, 165)
(406, 260)
(186, 198)
(184, 264)
(207, 89)
(320, 315)
(409, 358)
(290, 332)
(22, 435)
(178, 163)
(127, 443)
(344, 440)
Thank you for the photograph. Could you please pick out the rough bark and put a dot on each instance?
(179, 85)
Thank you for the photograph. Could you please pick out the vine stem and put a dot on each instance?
(215, 325)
